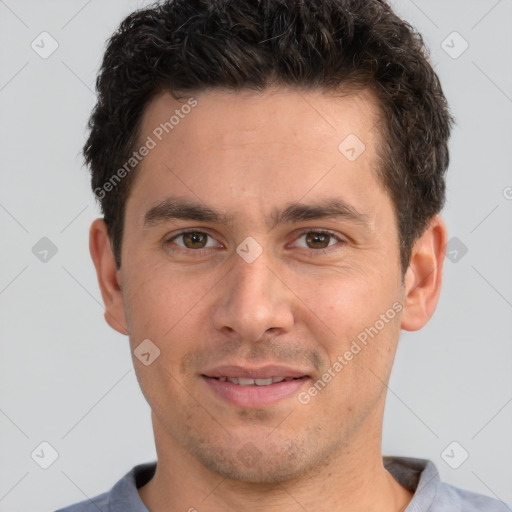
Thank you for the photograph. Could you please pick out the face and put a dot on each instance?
(256, 246)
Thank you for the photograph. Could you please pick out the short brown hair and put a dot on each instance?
(187, 46)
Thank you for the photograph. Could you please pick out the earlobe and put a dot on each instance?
(109, 277)
(423, 279)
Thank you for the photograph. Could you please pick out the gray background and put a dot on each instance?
(66, 378)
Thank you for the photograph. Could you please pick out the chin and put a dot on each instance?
(264, 464)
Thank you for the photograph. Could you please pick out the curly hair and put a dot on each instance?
(189, 46)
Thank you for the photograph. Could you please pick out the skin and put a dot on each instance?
(297, 304)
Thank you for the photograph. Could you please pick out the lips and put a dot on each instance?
(259, 387)
(252, 387)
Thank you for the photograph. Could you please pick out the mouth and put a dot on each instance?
(246, 381)
(251, 388)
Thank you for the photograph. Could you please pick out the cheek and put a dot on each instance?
(364, 328)
(159, 298)
(169, 308)
(349, 305)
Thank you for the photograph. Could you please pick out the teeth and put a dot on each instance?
(243, 381)
(263, 382)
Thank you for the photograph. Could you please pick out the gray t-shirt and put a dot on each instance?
(418, 475)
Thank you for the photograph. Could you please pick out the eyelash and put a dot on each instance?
(303, 232)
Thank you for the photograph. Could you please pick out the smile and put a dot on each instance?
(248, 393)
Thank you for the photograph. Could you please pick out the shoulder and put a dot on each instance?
(451, 498)
(99, 502)
(123, 497)
(421, 477)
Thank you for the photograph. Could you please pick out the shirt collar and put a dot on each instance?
(419, 476)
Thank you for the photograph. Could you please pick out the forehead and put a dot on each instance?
(248, 146)
(278, 115)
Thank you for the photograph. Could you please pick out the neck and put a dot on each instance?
(352, 479)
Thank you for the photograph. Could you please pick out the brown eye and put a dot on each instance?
(195, 239)
(318, 240)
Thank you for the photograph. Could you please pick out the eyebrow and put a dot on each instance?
(184, 209)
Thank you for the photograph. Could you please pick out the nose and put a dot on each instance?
(253, 299)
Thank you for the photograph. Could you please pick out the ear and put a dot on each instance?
(422, 283)
(109, 277)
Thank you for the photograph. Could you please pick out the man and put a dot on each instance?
(271, 176)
